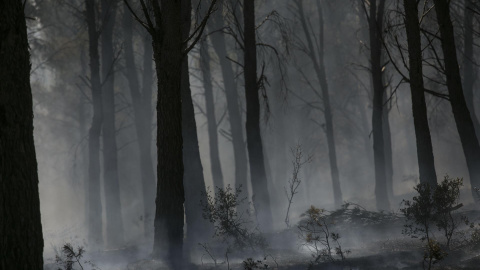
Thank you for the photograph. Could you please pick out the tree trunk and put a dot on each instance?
(319, 67)
(167, 49)
(425, 156)
(142, 112)
(231, 94)
(193, 180)
(216, 168)
(463, 119)
(94, 197)
(375, 25)
(387, 139)
(254, 139)
(21, 244)
(114, 223)
(468, 59)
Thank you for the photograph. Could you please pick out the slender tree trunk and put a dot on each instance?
(193, 180)
(21, 244)
(216, 168)
(375, 25)
(114, 223)
(319, 67)
(425, 157)
(254, 139)
(468, 60)
(387, 139)
(94, 197)
(231, 94)
(463, 119)
(142, 112)
(168, 49)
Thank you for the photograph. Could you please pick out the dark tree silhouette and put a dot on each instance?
(94, 197)
(254, 138)
(21, 244)
(425, 157)
(463, 119)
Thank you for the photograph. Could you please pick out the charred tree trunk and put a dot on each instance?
(94, 197)
(319, 67)
(167, 50)
(425, 156)
(21, 244)
(114, 223)
(375, 25)
(463, 119)
(254, 139)
(231, 94)
(468, 60)
(216, 168)
(142, 110)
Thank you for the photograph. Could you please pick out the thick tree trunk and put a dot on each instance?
(168, 49)
(142, 112)
(216, 168)
(231, 94)
(425, 156)
(463, 119)
(193, 180)
(114, 223)
(319, 67)
(254, 139)
(21, 242)
(94, 197)
(468, 59)
(375, 25)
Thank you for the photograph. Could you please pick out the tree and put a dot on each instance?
(142, 108)
(21, 244)
(420, 120)
(169, 50)
(461, 114)
(216, 168)
(379, 114)
(317, 59)
(254, 138)
(231, 94)
(94, 200)
(425, 156)
(114, 223)
(468, 62)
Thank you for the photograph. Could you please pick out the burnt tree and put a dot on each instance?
(21, 244)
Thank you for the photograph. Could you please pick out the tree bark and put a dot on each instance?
(142, 110)
(94, 197)
(461, 114)
(231, 94)
(254, 139)
(21, 242)
(319, 67)
(468, 60)
(425, 156)
(114, 223)
(375, 25)
(167, 49)
(216, 168)
(387, 139)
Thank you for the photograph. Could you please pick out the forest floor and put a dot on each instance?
(374, 246)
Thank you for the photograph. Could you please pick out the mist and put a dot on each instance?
(241, 134)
